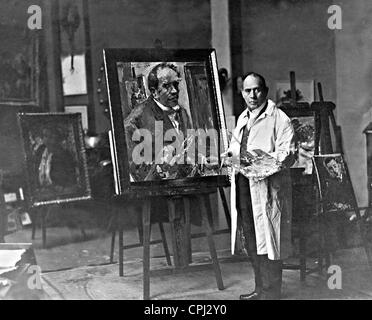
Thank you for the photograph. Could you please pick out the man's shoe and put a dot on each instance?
(250, 296)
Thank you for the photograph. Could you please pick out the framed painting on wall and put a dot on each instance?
(55, 160)
(174, 130)
(19, 66)
(74, 80)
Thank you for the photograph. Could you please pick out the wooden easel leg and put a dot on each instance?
(172, 221)
(209, 232)
(188, 249)
(146, 217)
(3, 214)
(320, 244)
(121, 249)
(328, 259)
(165, 244)
(112, 251)
(33, 214)
(44, 213)
(140, 229)
(302, 249)
(225, 206)
(366, 246)
(114, 225)
(3, 224)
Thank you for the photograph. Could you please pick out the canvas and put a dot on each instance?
(167, 116)
(55, 160)
(306, 125)
(335, 188)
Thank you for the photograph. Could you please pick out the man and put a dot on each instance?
(265, 205)
(162, 106)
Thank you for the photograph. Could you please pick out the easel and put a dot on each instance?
(323, 144)
(180, 227)
(163, 240)
(42, 212)
(326, 113)
(3, 217)
(302, 184)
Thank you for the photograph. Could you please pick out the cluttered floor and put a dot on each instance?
(77, 267)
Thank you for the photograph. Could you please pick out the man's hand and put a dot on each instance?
(228, 159)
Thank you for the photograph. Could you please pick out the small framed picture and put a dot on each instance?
(304, 91)
(55, 159)
(74, 79)
(25, 219)
(14, 223)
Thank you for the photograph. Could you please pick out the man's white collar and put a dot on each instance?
(164, 108)
(257, 110)
(161, 106)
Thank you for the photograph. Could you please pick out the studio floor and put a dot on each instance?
(78, 268)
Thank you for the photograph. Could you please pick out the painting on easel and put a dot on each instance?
(306, 126)
(335, 188)
(174, 130)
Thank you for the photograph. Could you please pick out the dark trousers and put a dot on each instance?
(267, 273)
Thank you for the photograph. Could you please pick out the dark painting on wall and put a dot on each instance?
(173, 128)
(55, 159)
(19, 65)
(11, 156)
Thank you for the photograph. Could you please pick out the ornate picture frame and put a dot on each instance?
(197, 108)
(54, 158)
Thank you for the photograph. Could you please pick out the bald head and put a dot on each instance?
(254, 90)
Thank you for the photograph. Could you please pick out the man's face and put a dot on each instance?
(334, 169)
(167, 91)
(253, 93)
